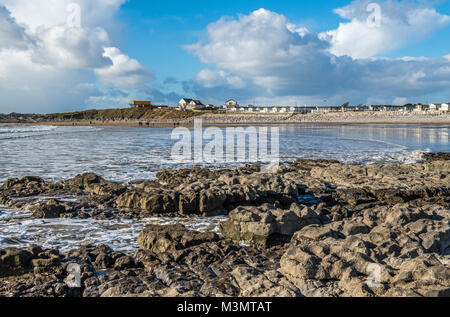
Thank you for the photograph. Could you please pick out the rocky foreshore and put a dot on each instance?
(315, 228)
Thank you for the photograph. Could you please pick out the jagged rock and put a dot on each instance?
(160, 239)
(188, 203)
(51, 209)
(211, 199)
(94, 184)
(157, 203)
(266, 224)
(14, 261)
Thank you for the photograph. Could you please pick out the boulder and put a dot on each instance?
(170, 238)
(51, 209)
(152, 203)
(267, 225)
(14, 262)
(211, 200)
(95, 185)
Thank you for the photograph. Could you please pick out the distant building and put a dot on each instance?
(183, 103)
(231, 103)
(190, 104)
(375, 108)
(432, 106)
(141, 104)
(444, 107)
(419, 107)
(392, 108)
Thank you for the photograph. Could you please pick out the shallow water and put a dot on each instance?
(18, 230)
(132, 153)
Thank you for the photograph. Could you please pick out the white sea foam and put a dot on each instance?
(18, 230)
(23, 129)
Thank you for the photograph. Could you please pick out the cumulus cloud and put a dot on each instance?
(34, 88)
(125, 72)
(12, 35)
(50, 13)
(211, 79)
(271, 56)
(49, 63)
(72, 47)
(381, 27)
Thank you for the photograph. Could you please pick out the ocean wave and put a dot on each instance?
(26, 129)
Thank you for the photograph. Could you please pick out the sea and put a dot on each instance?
(132, 154)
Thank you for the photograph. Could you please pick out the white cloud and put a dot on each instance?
(29, 87)
(50, 13)
(371, 34)
(71, 47)
(12, 35)
(125, 73)
(211, 79)
(277, 59)
(47, 63)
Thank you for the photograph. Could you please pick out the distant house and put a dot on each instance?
(392, 108)
(409, 107)
(362, 108)
(432, 106)
(375, 108)
(195, 105)
(231, 103)
(183, 103)
(190, 104)
(444, 107)
(419, 107)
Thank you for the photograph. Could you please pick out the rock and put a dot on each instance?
(431, 157)
(161, 239)
(51, 209)
(94, 184)
(14, 262)
(353, 227)
(124, 262)
(160, 203)
(188, 203)
(211, 199)
(266, 224)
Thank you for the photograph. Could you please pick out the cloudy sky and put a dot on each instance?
(63, 55)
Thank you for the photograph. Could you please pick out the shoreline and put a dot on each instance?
(208, 124)
(238, 119)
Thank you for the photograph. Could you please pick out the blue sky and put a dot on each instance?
(264, 52)
(154, 32)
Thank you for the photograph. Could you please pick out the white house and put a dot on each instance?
(231, 103)
(432, 106)
(190, 104)
(183, 103)
(444, 107)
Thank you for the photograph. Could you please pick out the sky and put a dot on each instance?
(69, 55)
